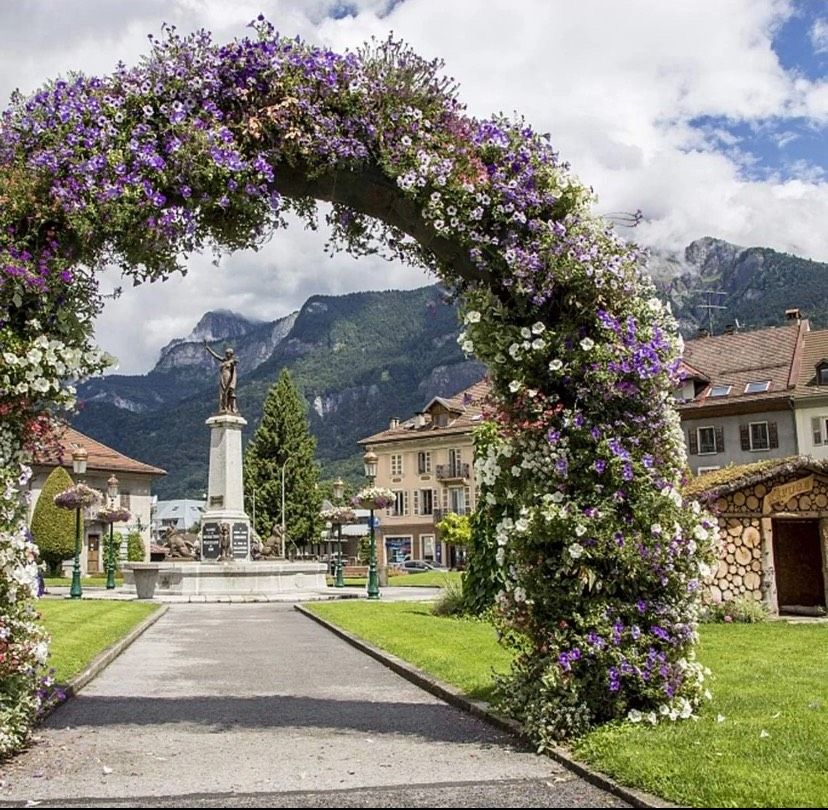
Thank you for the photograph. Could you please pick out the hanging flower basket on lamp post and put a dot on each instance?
(112, 515)
(374, 498)
(77, 497)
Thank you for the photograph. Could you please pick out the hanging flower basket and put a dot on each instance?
(338, 515)
(79, 496)
(374, 498)
(115, 515)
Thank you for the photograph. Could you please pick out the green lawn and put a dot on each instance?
(428, 579)
(762, 742)
(95, 580)
(771, 748)
(80, 630)
(463, 652)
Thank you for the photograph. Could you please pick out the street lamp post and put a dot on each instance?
(79, 458)
(112, 492)
(338, 492)
(370, 462)
(284, 525)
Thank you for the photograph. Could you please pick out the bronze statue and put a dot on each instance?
(271, 549)
(227, 379)
(225, 546)
(182, 545)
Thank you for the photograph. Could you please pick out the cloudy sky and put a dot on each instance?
(708, 115)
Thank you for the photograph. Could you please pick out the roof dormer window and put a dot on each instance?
(758, 387)
(822, 373)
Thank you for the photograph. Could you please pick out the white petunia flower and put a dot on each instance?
(587, 344)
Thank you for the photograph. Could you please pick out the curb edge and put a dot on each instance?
(483, 711)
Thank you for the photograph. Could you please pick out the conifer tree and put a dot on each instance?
(283, 437)
(53, 528)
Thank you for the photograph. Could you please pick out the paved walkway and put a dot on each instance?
(256, 705)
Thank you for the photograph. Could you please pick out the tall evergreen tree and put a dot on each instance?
(283, 437)
(53, 528)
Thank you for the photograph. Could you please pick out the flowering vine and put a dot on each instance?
(209, 146)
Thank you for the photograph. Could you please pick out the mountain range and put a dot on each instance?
(362, 358)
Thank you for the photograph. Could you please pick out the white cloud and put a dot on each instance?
(819, 35)
(616, 84)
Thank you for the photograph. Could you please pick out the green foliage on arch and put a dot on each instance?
(209, 146)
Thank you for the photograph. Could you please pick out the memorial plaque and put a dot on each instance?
(241, 541)
(210, 541)
(217, 500)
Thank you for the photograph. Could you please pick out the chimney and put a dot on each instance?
(419, 419)
(394, 423)
(702, 332)
(793, 314)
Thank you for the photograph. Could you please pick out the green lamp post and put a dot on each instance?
(79, 458)
(338, 492)
(369, 460)
(112, 492)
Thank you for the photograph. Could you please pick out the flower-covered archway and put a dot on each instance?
(209, 146)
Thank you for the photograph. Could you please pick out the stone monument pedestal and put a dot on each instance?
(225, 527)
(228, 581)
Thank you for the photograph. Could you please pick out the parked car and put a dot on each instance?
(413, 566)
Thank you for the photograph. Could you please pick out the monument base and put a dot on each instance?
(263, 579)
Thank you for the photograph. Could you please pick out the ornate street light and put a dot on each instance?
(338, 492)
(370, 462)
(112, 492)
(79, 458)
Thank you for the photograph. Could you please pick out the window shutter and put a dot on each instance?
(445, 501)
(693, 442)
(467, 496)
(720, 440)
(405, 503)
(744, 435)
(773, 435)
(416, 502)
(816, 430)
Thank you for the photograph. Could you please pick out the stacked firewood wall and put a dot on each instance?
(745, 535)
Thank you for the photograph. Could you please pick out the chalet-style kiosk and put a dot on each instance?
(773, 525)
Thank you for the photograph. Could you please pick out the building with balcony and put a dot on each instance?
(427, 461)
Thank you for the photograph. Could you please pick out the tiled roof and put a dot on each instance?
(745, 357)
(468, 402)
(688, 372)
(815, 349)
(100, 457)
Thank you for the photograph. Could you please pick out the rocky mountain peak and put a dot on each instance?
(709, 251)
(217, 324)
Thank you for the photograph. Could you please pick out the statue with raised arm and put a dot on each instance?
(227, 379)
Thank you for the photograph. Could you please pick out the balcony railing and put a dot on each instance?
(448, 472)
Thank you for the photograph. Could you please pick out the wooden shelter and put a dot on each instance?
(773, 527)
